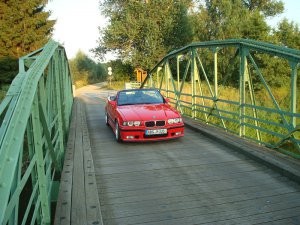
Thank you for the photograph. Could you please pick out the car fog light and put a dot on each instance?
(177, 133)
(129, 137)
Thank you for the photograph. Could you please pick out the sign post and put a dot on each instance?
(109, 73)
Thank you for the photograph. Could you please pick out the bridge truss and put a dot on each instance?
(34, 118)
(196, 79)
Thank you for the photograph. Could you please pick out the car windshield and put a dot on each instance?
(141, 96)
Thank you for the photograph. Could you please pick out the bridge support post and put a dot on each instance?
(58, 102)
(215, 51)
(178, 70)
(243, 64)
(193, 81)
(167, 78)
(41, 173)
(293, 109)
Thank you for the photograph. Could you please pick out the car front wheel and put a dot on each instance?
(106, 119)
(117, 132)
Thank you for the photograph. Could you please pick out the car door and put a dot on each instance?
(112, 107)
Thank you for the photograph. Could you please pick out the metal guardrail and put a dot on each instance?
(34, 118)
(191, 78)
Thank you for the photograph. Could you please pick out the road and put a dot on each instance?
(191, 180)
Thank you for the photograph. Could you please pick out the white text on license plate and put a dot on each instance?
(153, 132)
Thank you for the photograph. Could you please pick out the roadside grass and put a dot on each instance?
(223, 113)
(116, 85)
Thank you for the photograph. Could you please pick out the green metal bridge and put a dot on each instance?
(55, 148)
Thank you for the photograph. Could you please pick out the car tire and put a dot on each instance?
(117, 132)
(106, 119)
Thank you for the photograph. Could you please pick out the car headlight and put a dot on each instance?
(132, 123)
(137, 123)
(174, 120)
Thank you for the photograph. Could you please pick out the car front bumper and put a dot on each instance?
(135, 135)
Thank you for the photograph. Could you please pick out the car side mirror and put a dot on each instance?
(111, 98)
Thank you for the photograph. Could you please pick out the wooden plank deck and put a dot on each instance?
(192, 180)
(78, 201)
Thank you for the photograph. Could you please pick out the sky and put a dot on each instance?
(291, 12)
(78, 22)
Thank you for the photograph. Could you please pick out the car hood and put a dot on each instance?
(147, 112)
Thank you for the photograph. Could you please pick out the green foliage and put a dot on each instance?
(9, 68)
(84, 70)
(3, 91)
(25, 27)
(142, 32)
(121, 71)
(217, 20)
(287, 34)
(265, 7)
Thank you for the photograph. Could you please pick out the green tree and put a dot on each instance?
(121, 71)
(265, 7)
(277, 71)
(287, 34)
(25, 27)
(142, 32)
(227, 19)
(217, 20)
(84, 70)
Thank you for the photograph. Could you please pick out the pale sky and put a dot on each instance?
(77, 24)
(78, 21)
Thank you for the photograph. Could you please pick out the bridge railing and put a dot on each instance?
(234, 84)
(34, 119)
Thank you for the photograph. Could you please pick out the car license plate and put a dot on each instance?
(154, 132)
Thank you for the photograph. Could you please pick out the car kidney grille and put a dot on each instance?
(158, 123)
(150, 123)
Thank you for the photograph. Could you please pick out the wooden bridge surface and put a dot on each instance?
(192, 180)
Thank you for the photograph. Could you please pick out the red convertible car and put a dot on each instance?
(142, 115)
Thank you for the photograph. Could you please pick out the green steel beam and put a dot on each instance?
(251, 121)
(38, 102)
(294, 66)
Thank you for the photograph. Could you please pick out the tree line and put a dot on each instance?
(141, 32)
(25, 26)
